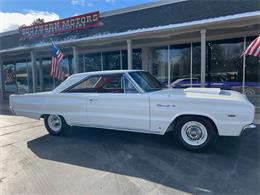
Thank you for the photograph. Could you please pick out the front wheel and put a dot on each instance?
(195, 133)
(55, 124)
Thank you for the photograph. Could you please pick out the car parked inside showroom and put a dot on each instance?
(134, 100)
(251, 88)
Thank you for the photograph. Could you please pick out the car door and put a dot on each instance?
(117, 104)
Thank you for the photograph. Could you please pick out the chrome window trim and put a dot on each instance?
(137, 87)
(130, 79)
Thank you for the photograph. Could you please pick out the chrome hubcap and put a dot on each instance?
(194, 133)
(55, 122)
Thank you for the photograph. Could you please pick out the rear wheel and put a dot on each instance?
(55, 124)
(195, 133)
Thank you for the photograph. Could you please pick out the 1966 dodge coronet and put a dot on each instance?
(132, 100)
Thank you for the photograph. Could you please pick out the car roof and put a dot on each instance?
(78, 77)
(104, 72)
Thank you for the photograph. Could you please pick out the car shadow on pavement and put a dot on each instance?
(230, 166)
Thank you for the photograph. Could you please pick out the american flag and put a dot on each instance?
(56, 58)
(253, 49)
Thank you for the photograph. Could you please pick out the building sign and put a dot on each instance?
(60, 26)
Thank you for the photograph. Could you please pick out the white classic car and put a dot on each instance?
(134, 100)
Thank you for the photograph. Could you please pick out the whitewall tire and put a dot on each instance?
(195, 133)
(55, 124)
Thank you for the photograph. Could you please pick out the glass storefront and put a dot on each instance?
(112, 60)
(48, 82)
(180, 59)
(9, 77)
(159, 63)
(196, 61)
(137, 59)
(252, 73)
(92, 62)
(44, 81)
(66, 65)
(17, 77)
(224, 65)
(23, 72)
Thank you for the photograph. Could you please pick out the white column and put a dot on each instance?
(1, 80)
(75, 64)
(34, 72)
(145, 58)
(129, 54)
(203, 57)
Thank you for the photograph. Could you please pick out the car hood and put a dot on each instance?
(202, 93)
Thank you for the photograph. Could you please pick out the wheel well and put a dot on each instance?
(174, 122)
(43, 115)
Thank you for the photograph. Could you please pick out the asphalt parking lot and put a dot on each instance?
(88, 161)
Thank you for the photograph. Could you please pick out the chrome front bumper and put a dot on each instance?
(12, 110)
(248, 127)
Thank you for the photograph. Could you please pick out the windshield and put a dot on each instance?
(146, 81)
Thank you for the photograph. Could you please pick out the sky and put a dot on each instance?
(14, 13)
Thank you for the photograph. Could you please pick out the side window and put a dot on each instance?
(114, 83)
(86, 86)
(129, 87)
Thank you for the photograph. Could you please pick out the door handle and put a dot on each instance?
(93, 99)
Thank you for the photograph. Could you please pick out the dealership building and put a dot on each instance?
(179, 42)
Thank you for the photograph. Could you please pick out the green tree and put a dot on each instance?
(38, 21)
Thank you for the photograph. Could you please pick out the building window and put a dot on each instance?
(111, 60)
(9, 75)
(66, 65)
(92, 62)
(159, 63)
(252, 73)
(48, 81)
(17, 77)
(137, 59)
(23, 72)
(196, 63)
(224, 64)
(124, 60)
(180, 59)
(81, 62)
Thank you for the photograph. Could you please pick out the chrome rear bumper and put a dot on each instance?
(248, 127)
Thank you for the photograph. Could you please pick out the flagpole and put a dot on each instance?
(244, 67)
